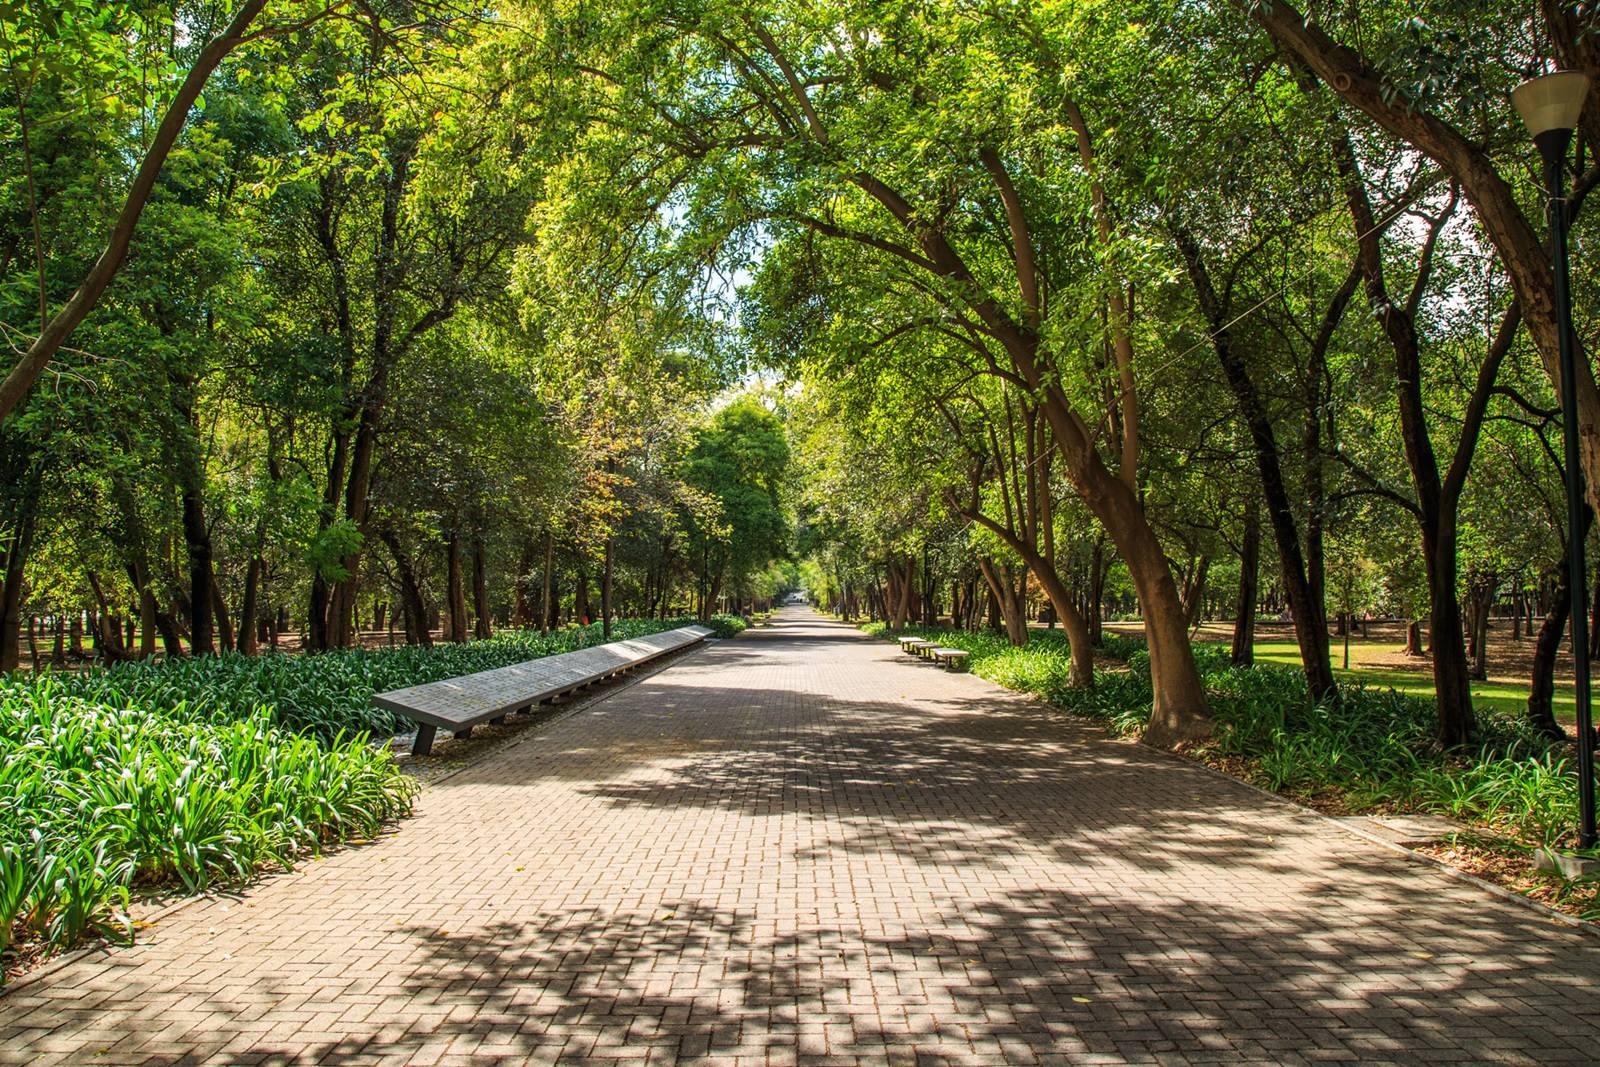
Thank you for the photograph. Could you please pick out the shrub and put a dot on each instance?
(322, 694)
(726, 625)
(98, 799)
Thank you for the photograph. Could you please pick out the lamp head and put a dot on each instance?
(1551, 102)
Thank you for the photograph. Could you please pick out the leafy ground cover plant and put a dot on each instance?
(99, 801)
(188, 773)
(324, 694)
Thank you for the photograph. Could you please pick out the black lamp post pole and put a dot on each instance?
(1553, 147)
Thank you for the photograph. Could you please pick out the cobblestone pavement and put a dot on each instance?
(804, 847)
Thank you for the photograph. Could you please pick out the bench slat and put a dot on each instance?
(459, 704)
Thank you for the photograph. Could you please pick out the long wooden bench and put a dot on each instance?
(460, 704)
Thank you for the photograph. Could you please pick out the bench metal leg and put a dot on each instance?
(463, 732)
(498, 720)
(424, 742)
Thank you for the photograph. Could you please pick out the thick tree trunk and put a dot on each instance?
(1244, 615)
(456, 595)
(1451, 671)
(197, 540)
(16, 558)
(522, 608)
(480, 591)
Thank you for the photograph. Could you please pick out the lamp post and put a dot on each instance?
(1550, 106)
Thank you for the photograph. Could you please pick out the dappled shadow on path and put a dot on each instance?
(1026, 974)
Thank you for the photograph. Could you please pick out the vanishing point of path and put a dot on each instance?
(803, 847)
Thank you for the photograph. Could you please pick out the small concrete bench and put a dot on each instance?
(954, 659)
(913, 646)
(460, 704)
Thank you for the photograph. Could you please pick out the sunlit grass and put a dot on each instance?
(1502, 697)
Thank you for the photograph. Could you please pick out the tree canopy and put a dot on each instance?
(331, 321)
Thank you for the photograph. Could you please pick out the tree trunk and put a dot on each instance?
(480, 591)
(108, 628)
(902, 583)
(12, 580)
(1299, 566)
(547, 616)
(1244, 615)
(1099, 567)
(1005, 600)
(1414, 639)
(413, 608)
(219, 608)
(1547, 645)
(605, 589)
(1194, 593)
(249, 608)
(455, 590)
(197, 541)
(580, 598)
(522, 608)
(1055, 590)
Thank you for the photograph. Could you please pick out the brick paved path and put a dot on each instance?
(803, 847)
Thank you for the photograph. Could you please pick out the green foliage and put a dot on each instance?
(325, 695)
(102, 797)
(726, 625)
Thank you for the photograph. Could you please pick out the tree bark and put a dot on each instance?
(1005, 600)
(1244, 615)
(250, 607)
(522, 609)
(480, 591)
(16, 558)
(1305, 602)
(224, 621)
(605, 588)
(456, 595)
(197, 542)
(413, 608)
(547, 613)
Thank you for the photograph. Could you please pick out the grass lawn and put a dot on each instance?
(1500, 695)
(1377, 661)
